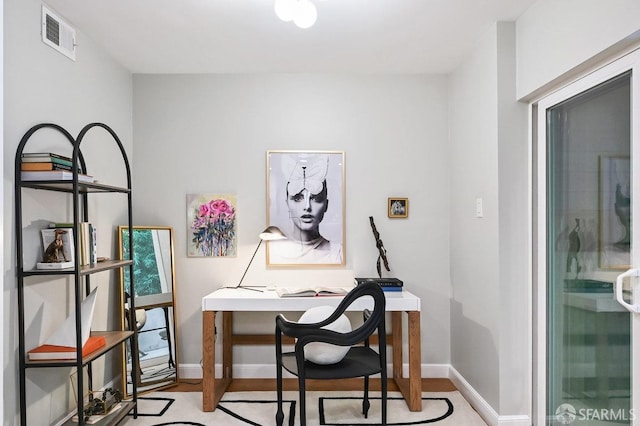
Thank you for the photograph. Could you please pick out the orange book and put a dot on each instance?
(55, 352)
(43, 166)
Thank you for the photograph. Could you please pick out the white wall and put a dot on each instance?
(208, 133)
(475, 277)
(489, 325)
(514, 205)
(557, 40)
(42, 85)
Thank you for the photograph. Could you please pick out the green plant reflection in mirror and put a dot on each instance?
(154, 294)
(145, 262)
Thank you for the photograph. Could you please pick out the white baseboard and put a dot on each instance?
(191, 371)
(436, 371)
(431, 371)
(486, 411)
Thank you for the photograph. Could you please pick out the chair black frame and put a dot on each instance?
(361, 360)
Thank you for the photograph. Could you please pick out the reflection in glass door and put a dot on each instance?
(588, 243)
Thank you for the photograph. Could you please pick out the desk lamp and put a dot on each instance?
(272, 233)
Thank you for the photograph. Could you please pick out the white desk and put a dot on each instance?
(230, 300)
(157, 300)
(596, 302)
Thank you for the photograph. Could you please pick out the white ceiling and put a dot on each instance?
(245, 36)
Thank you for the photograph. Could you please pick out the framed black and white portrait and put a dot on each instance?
(397, 207)
(306, 200)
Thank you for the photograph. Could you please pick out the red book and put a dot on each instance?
(55, 352)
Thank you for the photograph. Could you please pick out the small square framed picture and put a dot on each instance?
(398, 207)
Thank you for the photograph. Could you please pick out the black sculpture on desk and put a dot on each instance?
(382, 252)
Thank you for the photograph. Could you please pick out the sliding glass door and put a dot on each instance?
(588, 333)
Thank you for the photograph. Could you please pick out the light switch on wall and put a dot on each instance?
(479, 211)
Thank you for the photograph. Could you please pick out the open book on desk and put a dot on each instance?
(311, 291)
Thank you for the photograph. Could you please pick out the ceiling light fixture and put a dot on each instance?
(303, 13)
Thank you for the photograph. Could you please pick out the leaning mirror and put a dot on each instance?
(154, 285)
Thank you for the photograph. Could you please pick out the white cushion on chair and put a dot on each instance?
(141, 318)
(325, 353)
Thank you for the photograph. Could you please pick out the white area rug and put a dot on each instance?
(323, 408)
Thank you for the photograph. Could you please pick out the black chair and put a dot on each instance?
(361, 360)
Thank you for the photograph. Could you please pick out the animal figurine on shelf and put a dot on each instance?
(55, 251)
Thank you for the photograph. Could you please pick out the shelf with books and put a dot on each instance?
(74, 186)
(112, 339)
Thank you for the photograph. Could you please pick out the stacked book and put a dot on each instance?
(48, 166)
(88, 244)
(389, 285)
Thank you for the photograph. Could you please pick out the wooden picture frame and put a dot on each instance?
(397, 207)
(306, 200)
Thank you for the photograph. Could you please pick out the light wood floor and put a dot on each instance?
(238, 385)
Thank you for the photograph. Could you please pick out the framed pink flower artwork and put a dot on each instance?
(211, 225)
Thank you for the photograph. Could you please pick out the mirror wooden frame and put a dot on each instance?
(150, 305)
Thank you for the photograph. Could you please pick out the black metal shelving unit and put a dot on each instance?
(80, 275)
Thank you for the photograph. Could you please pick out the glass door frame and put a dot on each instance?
(629, 62)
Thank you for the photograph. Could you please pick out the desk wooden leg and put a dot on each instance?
(227, 345)
(410, 388)
(208, 360)
(415, 359)
(212, 388)
(396, 342)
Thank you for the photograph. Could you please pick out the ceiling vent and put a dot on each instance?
(58, 34)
